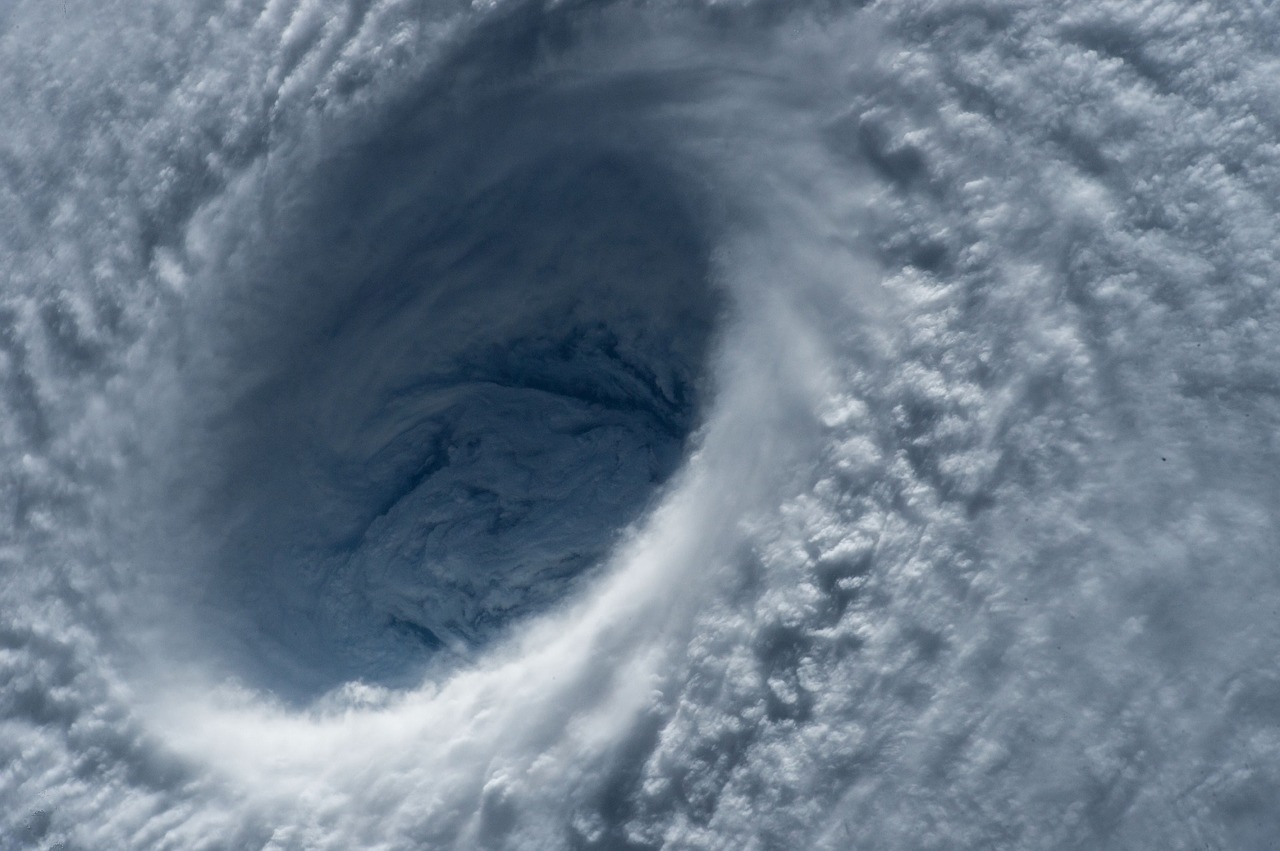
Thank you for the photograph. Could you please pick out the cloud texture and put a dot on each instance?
(639, 425)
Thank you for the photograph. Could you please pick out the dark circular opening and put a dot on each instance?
(439, 407)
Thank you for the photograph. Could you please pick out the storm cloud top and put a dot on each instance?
(637, 425)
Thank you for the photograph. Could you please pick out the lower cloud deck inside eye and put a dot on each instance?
(451, 439)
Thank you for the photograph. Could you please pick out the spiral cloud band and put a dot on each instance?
(638, 425)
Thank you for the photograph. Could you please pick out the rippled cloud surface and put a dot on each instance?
(638, 425)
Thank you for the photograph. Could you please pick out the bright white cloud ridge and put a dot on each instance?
(638, 425)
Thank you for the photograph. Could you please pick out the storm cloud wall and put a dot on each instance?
(638, 425)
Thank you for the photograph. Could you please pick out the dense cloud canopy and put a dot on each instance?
(637, 425)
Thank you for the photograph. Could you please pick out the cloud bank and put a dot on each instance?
(638, 425)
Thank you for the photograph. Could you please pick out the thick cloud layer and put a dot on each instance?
(639, 425)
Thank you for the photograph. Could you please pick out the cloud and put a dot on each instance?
(607, 426)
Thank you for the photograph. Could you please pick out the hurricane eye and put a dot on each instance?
(453, 406)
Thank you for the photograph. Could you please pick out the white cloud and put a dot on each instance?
(970, 543)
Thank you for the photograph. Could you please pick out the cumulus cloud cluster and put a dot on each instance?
(638, 425)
